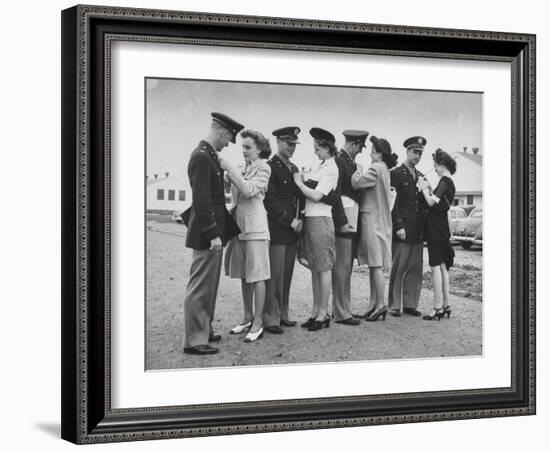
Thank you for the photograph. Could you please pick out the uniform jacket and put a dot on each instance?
(207, 218)
(346, 168)
(248, 194)
(410, 206)
(283, 201)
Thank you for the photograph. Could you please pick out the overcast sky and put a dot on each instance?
(178, 117)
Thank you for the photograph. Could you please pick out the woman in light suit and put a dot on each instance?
(374, 248)
(247, 256)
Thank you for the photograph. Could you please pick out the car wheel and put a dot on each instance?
(466, 245)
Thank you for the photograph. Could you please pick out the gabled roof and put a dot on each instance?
(152, 181)
(478, 159)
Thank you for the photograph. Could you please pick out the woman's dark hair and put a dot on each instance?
(383, 146)
(261, 142)
(331, 146)
(442, 158)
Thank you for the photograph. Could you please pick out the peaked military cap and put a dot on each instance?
(356, 135)
(319, 133)
(227, 122)
(416, 142)
(289, 134)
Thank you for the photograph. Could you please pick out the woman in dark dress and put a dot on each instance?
(440, 251)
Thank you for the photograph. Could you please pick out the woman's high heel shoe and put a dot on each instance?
(308, 322)
(380, 313)
(319, 324)
(447, 311)
(241, 328)
(254, 336)
(368, 313)
(437, 315)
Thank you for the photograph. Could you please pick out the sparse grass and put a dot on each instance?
(465, 280)
(161, 218)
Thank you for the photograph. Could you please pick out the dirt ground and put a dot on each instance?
(397, 337)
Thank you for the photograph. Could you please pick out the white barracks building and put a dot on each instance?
(167, 194)
(468, 178)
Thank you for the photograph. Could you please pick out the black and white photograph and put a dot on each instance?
(298, 224)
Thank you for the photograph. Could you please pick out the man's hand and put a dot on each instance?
(296, 225)
(216, 244)
(347, 228)
(401, 234)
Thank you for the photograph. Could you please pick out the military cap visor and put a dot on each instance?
(356, 135)
(320, 134)
(415, 142)
(228, 123)
(288, 134)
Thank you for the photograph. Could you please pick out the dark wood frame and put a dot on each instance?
(87, 31)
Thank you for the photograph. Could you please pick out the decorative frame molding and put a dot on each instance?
(87, 35)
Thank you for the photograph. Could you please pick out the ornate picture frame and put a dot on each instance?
(87, 35)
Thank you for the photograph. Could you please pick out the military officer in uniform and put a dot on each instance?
(282, 202)
(408, 224)
(345, 215)
(208, 230)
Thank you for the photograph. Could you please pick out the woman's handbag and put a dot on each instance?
(300, 250)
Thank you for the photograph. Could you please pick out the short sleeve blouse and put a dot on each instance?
(327, 177)
(445, 193)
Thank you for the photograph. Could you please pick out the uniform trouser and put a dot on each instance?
(200, 296)
(341, 279)
(405, 275)
(282, 258)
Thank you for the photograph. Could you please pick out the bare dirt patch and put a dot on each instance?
(405, 337)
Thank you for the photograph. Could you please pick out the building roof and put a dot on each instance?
(478, 159)
(152, 181)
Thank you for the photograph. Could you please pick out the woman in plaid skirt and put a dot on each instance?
(318, 243)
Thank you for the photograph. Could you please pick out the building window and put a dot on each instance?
(469, 199)
(171, 194)
(182, 196)
(160, 194)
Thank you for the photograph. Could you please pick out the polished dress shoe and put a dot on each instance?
(395, 313)
(214, 338)
(349, 321)
(201, 350)
(254, 336)
(412, 312)
(287, 323)
(241, 328)
(274, 329)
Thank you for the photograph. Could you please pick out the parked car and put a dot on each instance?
(469, 231)
(468, 208)
(455, 215)
(176, 215)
